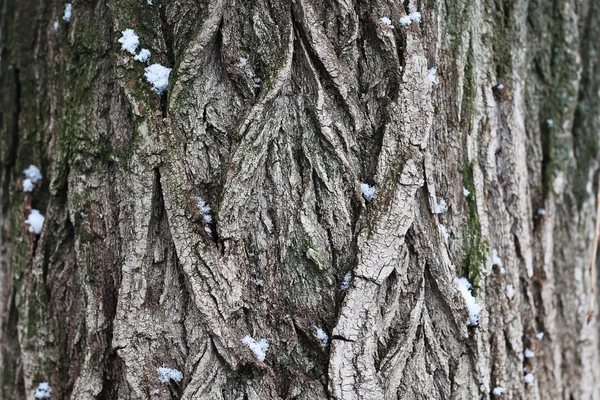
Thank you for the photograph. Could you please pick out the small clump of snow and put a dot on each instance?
(346, 282)
(28, 185)
(529, 378)
(528, 353)
(259, 348)
(205, 210)
(33, 173)
(142, 56)
(466, 192)
(441, 207)
(539, 335)
(243, 62)
(405, 20)
(257, 282)
(166, 375)
(368, 191)
(43, 391)
(498, 390)
(129, 41)
(510, 291)
(35, 222)
(499, 86)
(68, 12)
(387, 21)
(55, 25)
(464, 286)
(149, 2)
(158, 76)
(257, 82)
(322, 336)
(432, 76)
(550, 123)
(496, 260)
(415, 16)
(541, 212)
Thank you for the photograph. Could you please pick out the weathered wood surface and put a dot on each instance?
(124, 277)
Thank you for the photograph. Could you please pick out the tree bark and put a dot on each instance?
(276, 112)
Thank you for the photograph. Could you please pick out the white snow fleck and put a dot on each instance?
(539, 335)
(346, 283)
(43, 391)
(149, 2)
(498, 390)
(432, 76)
(441, 207)
(28, 185)
(243, 62)
(322, 336)
(257, 81)
(445, 233)
(496, 260)
(499, 86)
(68, 12)
(35, 221)
(204, 208)
(33, 173)
(528, 353)
(387, 21)
(129, 41)
(258, 282)
(55, 25)
(259, 348)
(466, 192)
(550, 123)
(166, 375)
(510, 291)
(158, 76)
(541, 212)
(205, 211)
(529, 378)
(415, 16)
(368, 191)
(405, 20)
(142, 56)
(465, 289)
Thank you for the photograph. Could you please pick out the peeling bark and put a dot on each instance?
(275, 114)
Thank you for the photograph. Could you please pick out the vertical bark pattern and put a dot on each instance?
(275, 114)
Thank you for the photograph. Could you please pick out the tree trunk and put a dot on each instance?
(182, 228)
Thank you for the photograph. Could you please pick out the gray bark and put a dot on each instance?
(125, 277)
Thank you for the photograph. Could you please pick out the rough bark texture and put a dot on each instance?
(124, 277)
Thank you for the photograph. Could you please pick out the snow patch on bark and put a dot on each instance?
(259, 348)
(166, 375)
(35, 221)
(465, 289)
(43, 391)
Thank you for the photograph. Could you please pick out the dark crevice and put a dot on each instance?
(168, 36)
